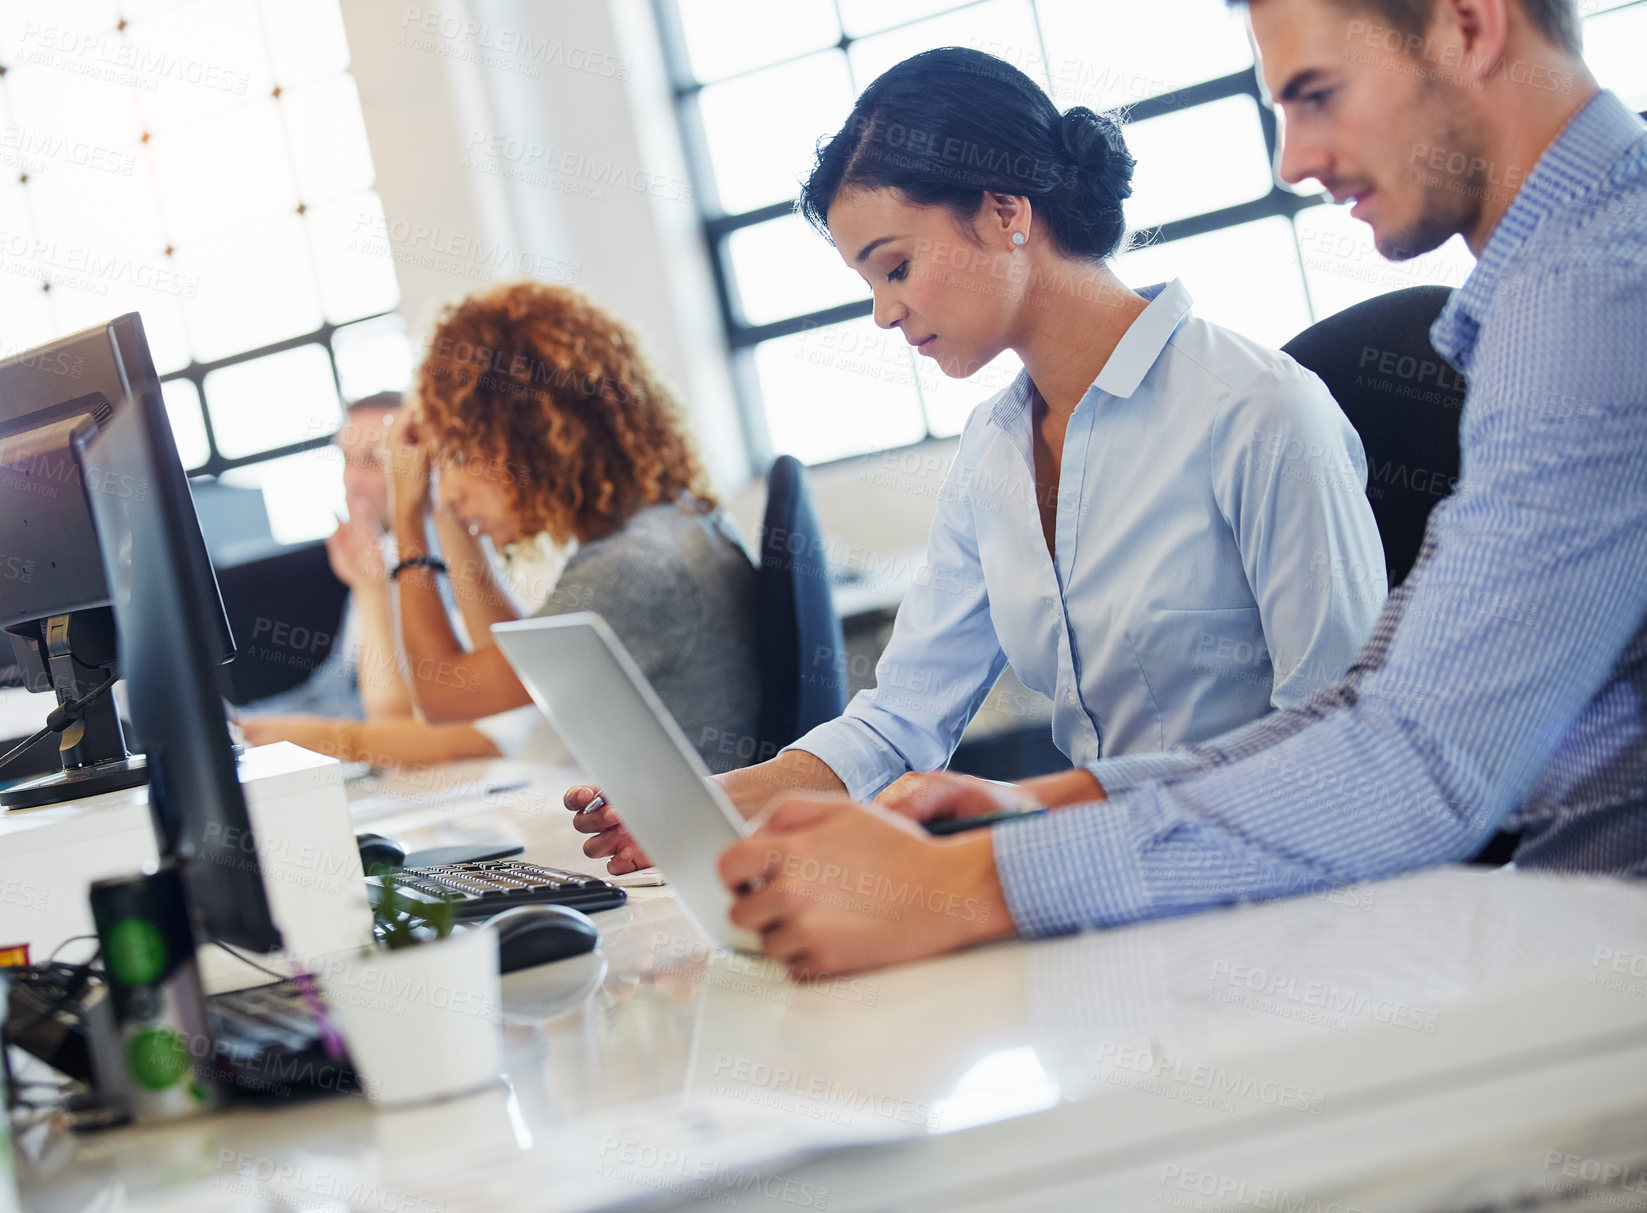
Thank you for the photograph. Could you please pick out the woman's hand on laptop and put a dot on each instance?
(750, 789)
(611, 841)
(833, 886)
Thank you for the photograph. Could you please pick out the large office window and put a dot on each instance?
(759, 82)
(204, 163)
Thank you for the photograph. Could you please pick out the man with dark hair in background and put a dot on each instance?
(1505, 683)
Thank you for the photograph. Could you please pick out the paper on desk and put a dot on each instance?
(370, 804)
(370, 808)
(645, 1155)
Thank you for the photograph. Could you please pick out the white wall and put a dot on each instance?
(542, 133)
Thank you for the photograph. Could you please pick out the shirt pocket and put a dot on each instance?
(1207, 671)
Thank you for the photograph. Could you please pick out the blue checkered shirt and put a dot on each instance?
(1505, 684)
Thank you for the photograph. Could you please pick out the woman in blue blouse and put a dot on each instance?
(1161, 525)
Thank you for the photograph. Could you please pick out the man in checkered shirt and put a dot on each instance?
(1504, 685)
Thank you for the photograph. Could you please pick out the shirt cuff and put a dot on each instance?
(1127, 771)
(1069, 869)
(860, 759)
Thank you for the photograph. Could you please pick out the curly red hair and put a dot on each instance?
(557, 389)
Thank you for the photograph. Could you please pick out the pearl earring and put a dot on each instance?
(1017, 239)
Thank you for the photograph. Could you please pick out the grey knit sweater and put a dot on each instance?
(679, 590)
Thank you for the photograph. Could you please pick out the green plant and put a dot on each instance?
(403, 924)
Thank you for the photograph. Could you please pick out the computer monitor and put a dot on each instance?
(166, 609)
(54, 601)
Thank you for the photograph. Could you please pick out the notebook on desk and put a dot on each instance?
(579, 674)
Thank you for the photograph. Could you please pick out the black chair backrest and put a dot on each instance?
(802, 652)
(1404, 400)
(285, 611)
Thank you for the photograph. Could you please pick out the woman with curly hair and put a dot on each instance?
(546, 428)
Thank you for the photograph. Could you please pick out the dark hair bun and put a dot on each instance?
(1098, 153)
(949, 125)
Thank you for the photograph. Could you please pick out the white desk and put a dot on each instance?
(1415, 1044)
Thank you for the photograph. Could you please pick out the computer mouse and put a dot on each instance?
(378, 854)
(535, 935)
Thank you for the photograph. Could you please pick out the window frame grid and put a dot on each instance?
(196, 371)
(717, 225)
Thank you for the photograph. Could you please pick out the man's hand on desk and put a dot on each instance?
(321, 734)
(938, 795)
(266, 730)
(837, 887)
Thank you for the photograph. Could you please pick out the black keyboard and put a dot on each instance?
(490, 886)
(267, 1045)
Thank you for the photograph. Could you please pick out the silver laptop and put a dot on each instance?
(617, 728)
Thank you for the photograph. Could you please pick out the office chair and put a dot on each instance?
(285, 610)
(1402, 398)
(802, 652)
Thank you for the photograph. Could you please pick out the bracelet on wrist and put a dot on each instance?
(433, 563)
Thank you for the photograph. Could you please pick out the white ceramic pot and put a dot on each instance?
(424, 1022)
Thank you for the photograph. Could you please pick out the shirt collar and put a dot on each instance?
(1131, 359)
(1577, 160)
(1143, 342)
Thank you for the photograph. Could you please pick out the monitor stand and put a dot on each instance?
(72, 655)
(94, 780)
